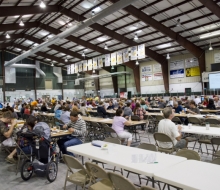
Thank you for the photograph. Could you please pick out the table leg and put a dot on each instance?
(153, 182)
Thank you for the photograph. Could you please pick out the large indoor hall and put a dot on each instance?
(109, 94)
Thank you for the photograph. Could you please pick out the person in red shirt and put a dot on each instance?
(205, 102)
(27, 110)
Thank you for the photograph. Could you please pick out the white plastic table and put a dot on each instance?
(128, 158)
(191, 175)
(201, 130)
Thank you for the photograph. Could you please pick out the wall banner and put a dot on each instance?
(85, 65)
(100, 62)
(72, 70)
(178, 64)
(146, 69)
(157, 67)
(89, 64)
(126, 55)
(68, 69)
(76, 68)
(134, 53)
(113, 58)
(192, 72)
(178, 73)
(95, 60)
(119, 57)
(107, 60)
(141, 51)
(147, 77)
(217, 58)
(191, 62)
(158, 76)
(80, 67)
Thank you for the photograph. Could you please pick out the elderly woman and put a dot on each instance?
(139, 111)
(118, 125)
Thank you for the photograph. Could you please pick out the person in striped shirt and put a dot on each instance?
(77, 127)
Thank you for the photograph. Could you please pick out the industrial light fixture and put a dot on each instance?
(42, 4)
(93, 13)
(93, 71)
(210, 46)
(135, 36)
(86, 49)
(112, 67)
(137, 63)
(8, 36)
(21, 23)
(106, 47)
(178, 22)
(83, 54)
(52, 65)
(168, 56)
(66, 60)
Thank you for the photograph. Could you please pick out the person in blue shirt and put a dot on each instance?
(178, 108)
(111, 106)
(58, 112)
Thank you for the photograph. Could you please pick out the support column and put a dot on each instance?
(35, 88)
(164, 68)
(62, 91)
(3, 75)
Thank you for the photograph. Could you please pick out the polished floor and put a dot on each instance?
(10, 181)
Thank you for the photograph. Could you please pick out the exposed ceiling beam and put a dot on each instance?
(212, 6)
(16, 26)
(195, 50)
(24, 10)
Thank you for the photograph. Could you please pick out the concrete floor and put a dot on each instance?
(10, 181)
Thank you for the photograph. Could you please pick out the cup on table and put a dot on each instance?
(190, 125)
(54, 128)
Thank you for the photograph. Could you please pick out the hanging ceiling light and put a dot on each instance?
(93, 13)
(112, 67)
(106, 47)
(83, 54)
(93, 71)
(8, 36)
(52, 65)
(168, 56)
(135, 36)
(178, 22)
(66, 60)
(137, 63)
(21, 23)
(210, 46)
(42, 4)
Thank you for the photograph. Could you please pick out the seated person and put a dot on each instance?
(6, 132)
(118, 125)
(77, 127)
(65, 116)
(211, 105)
(110, 106)
(139, 111)
(27, 110)
(83, 109)
(178, 108)
(127, 110)
(58, 112)
(161, 103)
(169, 128)
(44, 107)
(205, 102)
(143, 105)
(193, 109)
(101, 110)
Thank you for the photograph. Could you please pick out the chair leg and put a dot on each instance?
(128, 174)
(121, 171)
(207, 149)
(139, 178)
(194, 145)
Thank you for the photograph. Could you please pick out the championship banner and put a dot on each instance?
(192, 72)
(89, 64)
(85, 65)
(134, 53)
(80, 67)
(156, 67)
(72, 69)
(141, 51)
(191, 62)
(68, 69)
(100, 62)
(178, 73)
(76, 68)
(113, 58)
(146, 69)
(119, 57)
(126, 55)
(178, 64)
(217, 58)
(107, 60)
(95, 60)
(158, 76)
(147, 77)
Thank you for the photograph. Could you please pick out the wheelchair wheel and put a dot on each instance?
(52, 170)
(26, 170)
